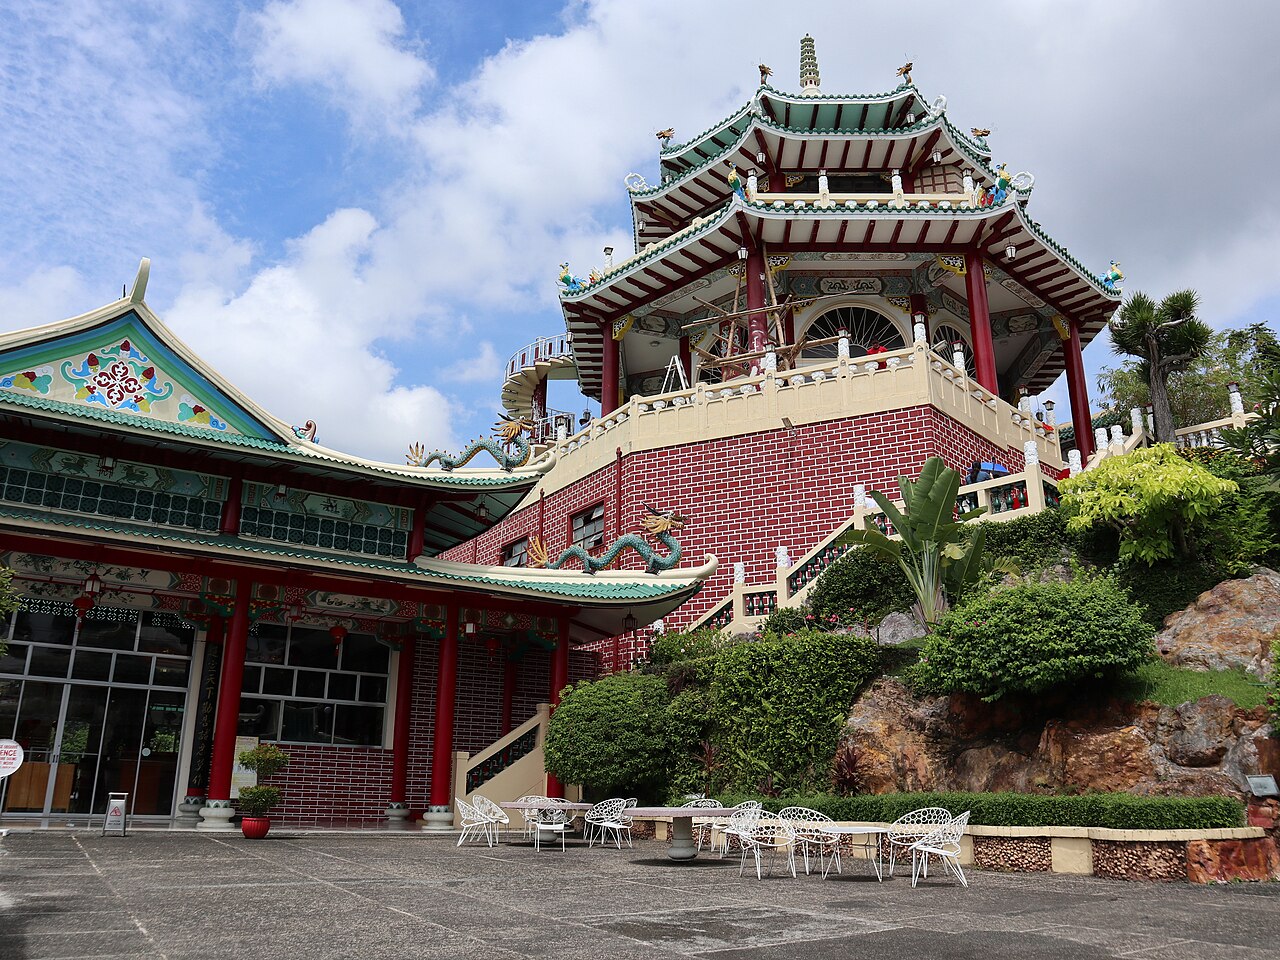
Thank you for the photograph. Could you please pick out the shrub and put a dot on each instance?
(1117, 811)
(781, 702)
(686, 645)
(695, 759)
(786, 620)
(1034, 637)
(266, 760)
(1031, 543)
(861, 586)
(613, 735)
(1273, 689)
(1165, 588)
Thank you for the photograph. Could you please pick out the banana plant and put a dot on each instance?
(937, 554)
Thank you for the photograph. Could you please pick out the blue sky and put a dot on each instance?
(355, 208)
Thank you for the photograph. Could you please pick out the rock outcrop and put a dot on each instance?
(1231, 625)
(1043, 746)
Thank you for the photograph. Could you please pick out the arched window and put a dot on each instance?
(866, 328)
(942, 341)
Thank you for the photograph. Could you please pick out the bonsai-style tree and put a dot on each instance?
(1167, 337)
(266, 760)
(9, 601)
(936, 552)
(1152, 497)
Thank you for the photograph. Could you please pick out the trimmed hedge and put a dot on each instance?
(1117, 811)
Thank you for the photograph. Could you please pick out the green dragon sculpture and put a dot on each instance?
(510, 432)
(660, 525)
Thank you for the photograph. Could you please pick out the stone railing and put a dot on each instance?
(1114, 441)
(1004, 498)
(914, 376)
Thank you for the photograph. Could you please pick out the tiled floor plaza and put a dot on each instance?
(186, 895)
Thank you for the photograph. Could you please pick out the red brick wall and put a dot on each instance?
(746, 495)
(346, 784)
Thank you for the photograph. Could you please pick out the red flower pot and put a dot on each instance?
(254, 828)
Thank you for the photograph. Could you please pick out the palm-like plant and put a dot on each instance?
(1166, 337)
(934, 550)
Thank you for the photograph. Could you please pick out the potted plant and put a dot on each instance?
(266, 760)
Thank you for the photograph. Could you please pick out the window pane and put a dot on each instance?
(91, 665)
(362, 653)
(342, 686)
(358, 725)
(9, 693)
(309, 647)
(259, 718)
(44, 628)
(49, 662)
(268, 644)
(373, 689)
(278, 681)
(112, 634)
(132, 669)
(310, 684)
(308, 722)
(252, 681)
(14, 660)
(171, 673)
(174, 640)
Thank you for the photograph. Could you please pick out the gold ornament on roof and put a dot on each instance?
(904, 71)
(980, 132)
(765, 74)
(666, 135)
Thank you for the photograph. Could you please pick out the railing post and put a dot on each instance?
(1035, 482)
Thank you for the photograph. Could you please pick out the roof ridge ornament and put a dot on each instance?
(810, 79)
(904, 72)
(140, 281)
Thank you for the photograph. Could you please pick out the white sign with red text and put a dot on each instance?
(10, 757)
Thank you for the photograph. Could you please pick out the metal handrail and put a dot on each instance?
(544, 348)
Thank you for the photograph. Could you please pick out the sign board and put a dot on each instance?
(113, 821)
(1264, 786)
(10, 757)
(240, 777)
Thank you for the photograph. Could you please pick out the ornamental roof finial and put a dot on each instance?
(809, 78)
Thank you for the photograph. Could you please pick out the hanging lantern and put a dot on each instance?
(339, 633)
(295, 612)
(492, 645)
(83, 605)
(629, 623)
(93, 585)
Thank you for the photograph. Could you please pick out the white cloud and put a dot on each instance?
(484, 368)
(355, 49)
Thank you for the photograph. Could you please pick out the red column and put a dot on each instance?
(418, 532)
(540, 400)
(757, 323)
(686, 359)
(1078, 389)
(609, 374)
(229, 525)
(920, 308)
(559, 680)
(508, 693)
(228, 716)
(984, 351)
(400, 732)
(442, 736)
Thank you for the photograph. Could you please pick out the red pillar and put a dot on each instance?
(559, 680)
(400, 732)
(984, 351)
(417, 533)
(757, 323)
(540, 400)
(920, 308)
(686, 359)
(1078, 389)
(229, 525)
(609, 373)
(508, 693)
(442, 735)
(228, 716)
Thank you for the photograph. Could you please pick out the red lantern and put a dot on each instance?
(493, 646)
(339, 634)
(83, 604)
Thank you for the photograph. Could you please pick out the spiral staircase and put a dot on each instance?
(528, 370)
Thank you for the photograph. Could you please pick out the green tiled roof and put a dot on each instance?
(578, 588)
(84, 411)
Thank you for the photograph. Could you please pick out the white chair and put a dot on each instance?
(943, 843)
(809, 837)
(551, 819)
(702, 828)
(910, 827)
(606, 818)
(743, 820)
(530, 817)
(772, 835)
(474, 824)
(496, 816)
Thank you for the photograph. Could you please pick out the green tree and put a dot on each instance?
(614, 736)
(1198, 393)
(935, 550)
(9, 602)
(1166, 337)
(1153, 497)
(1259, 440)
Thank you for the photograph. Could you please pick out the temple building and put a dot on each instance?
(825, 290)
(196, 571)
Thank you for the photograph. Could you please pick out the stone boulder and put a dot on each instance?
(1229, 626)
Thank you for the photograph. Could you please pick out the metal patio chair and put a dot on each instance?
(496, 816)
(910, 827)
(808, 837)
(943, 843)
(474, 824)
(773, 835)
(603, 819)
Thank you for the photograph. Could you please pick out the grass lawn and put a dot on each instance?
(1170, 685)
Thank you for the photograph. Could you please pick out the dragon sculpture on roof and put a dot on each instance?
(657, 524)
(509, 432)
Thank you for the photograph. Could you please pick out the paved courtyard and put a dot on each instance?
(296, 897)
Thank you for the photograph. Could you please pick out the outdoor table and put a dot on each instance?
(842, 831)
(543, 805)
(682, 847)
